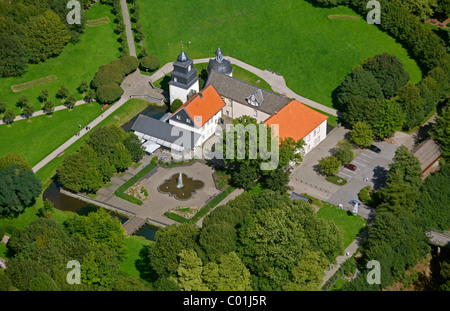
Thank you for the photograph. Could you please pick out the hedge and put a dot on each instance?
(120, 192)
(205, 210)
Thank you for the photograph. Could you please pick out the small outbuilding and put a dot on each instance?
(428, 153)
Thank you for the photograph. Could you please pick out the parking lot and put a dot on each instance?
(371, 169)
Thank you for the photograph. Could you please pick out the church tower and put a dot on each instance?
(184, 82)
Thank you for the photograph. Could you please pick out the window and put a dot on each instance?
(318, 129)
(189, 68)
(174, 79)
(308, 147)
(228, 101)
(316, 141)
(188, 120)
(308, 137)
(255, 112)
(178, 117)
(315, 132)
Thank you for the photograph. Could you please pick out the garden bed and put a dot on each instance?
(27, 85)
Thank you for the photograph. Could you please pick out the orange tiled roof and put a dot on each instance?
(296, 120)
(204, 104)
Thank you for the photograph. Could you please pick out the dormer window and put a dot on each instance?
(188, 120)
(178, 117)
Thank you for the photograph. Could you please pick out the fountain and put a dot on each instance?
(180, 181)
(180, 186)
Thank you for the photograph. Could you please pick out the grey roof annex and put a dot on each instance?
(165, 132)
(238, 90)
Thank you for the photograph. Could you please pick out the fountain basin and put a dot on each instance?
(190, 186)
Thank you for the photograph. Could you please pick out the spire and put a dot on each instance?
(219, 55)
(182, 57)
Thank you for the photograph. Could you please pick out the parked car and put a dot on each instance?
(354, 202)
(375, 149)
(351, 167)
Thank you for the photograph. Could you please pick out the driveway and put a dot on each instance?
(305, 178)
(369, 165)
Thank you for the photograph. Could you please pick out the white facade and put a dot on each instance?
(206, 131)
(181, 93)
(315, 137)
(236, 110)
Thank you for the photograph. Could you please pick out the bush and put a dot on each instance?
(150, 62)
(364, 195)
(131, 63)
(109, 93)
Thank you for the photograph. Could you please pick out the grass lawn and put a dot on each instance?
(38, 138)
(134, 245)
(77, 62)
(351, 225)
(336, 180)
(121, 116)
(313, 53)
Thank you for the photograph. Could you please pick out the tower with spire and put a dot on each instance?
(220, 64)
(184, 81)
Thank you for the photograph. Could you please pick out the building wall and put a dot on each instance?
(236, 110)
(206, 131)
(180, 93)
(315, 137)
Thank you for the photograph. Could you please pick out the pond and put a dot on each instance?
(155, 112)
(67, 203)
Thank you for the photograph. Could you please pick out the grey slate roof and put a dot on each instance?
(427, 152)
(220, 64)
(238, 91)
(165, 131)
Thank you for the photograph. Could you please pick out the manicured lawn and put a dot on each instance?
(121, 116)
(350, 224)
(134, 245)
(38, 138)
(336, 180)
(77, 62)
(291, 37)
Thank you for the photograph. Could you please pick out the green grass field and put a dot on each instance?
(77, 62)
(351, 225)
(313, 53)
(37, 138)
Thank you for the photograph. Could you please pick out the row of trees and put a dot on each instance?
(255, 242)
(107, 150)
(39, 32)
(40, 253)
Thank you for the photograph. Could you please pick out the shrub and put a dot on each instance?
(364, 195)
(150, 62)
(109, 93)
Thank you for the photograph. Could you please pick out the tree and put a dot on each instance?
(175, 105)
(14, 158)
(70, 101)
(244, 177)
(229, 274)
(169, 242)
(83, 87)
(28, 110)
(22, 101)
(278, 180)
(308, 274)
(290, 153)
(408, 165)
(63, 92)
(150, 62)
(218, 239)
(13, 55)
(109, 93)
(361, 134)
(189, 271)
(45, 36)
(358, 83)
(344, 151)
(90, 96)
(77, 174)
(134, 147)
(100, 228)
(120, 158)
(107, 76)
(329, 165)
(46, 210)
(421, 8)
(390, 120)
(49, 107)
(18, 189)
(412, 105)
(104, 139)
(9, 116)
(388, 71)
(3, 107)
(131, 63)
(441, 131)
(43, 95)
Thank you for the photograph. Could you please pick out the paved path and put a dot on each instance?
(277, 82)
(128, 31)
